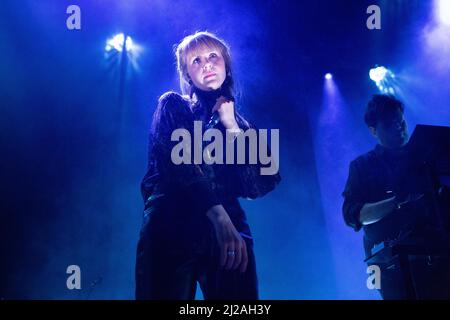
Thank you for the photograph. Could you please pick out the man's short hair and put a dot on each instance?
(381, 107)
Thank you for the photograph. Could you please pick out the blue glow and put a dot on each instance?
(443, 11)
(87, 175)
(328, 76)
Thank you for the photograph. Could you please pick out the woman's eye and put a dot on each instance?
(213, 55)
(196, 60)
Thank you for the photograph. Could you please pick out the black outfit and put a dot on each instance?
(177, 245)
(378, 175)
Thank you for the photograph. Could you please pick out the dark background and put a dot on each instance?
(73, 148)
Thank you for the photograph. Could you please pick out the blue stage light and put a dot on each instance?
(117, 42)
(328, 76)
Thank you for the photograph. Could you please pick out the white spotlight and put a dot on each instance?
(384, 79)
(378, 74)
(443, 11)
(116, 43)
(328, 76)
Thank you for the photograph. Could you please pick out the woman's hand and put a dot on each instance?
(233, 249)
(225, 109)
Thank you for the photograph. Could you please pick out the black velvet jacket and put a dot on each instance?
(201, 186)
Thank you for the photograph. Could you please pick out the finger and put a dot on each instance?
(231, 254)
(244, 258)
(223, 255)
(226, 99)
(222, 99)
(219, 102)
(238, 258)
(216, 107)
(226, 105)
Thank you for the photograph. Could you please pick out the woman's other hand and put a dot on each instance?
(233, 249)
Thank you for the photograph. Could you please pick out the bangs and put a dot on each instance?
(200, 43)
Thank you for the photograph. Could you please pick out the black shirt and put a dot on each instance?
(378, 175)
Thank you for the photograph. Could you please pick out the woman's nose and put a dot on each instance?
(207, 66)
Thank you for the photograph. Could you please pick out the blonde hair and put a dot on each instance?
(193, 42)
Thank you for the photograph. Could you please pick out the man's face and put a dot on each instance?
(391, 132)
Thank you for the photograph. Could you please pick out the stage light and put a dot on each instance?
(443, 11)
(384, 79)
(378, 74)
(117, 42)
(328, 76)
(122, 50)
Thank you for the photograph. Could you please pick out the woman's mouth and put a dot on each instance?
(209, 75)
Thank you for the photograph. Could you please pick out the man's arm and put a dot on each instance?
(374, 212)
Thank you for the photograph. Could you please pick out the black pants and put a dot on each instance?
(177, 251)
(431, 279)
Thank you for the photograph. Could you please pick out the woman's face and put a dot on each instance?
(206, 68)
